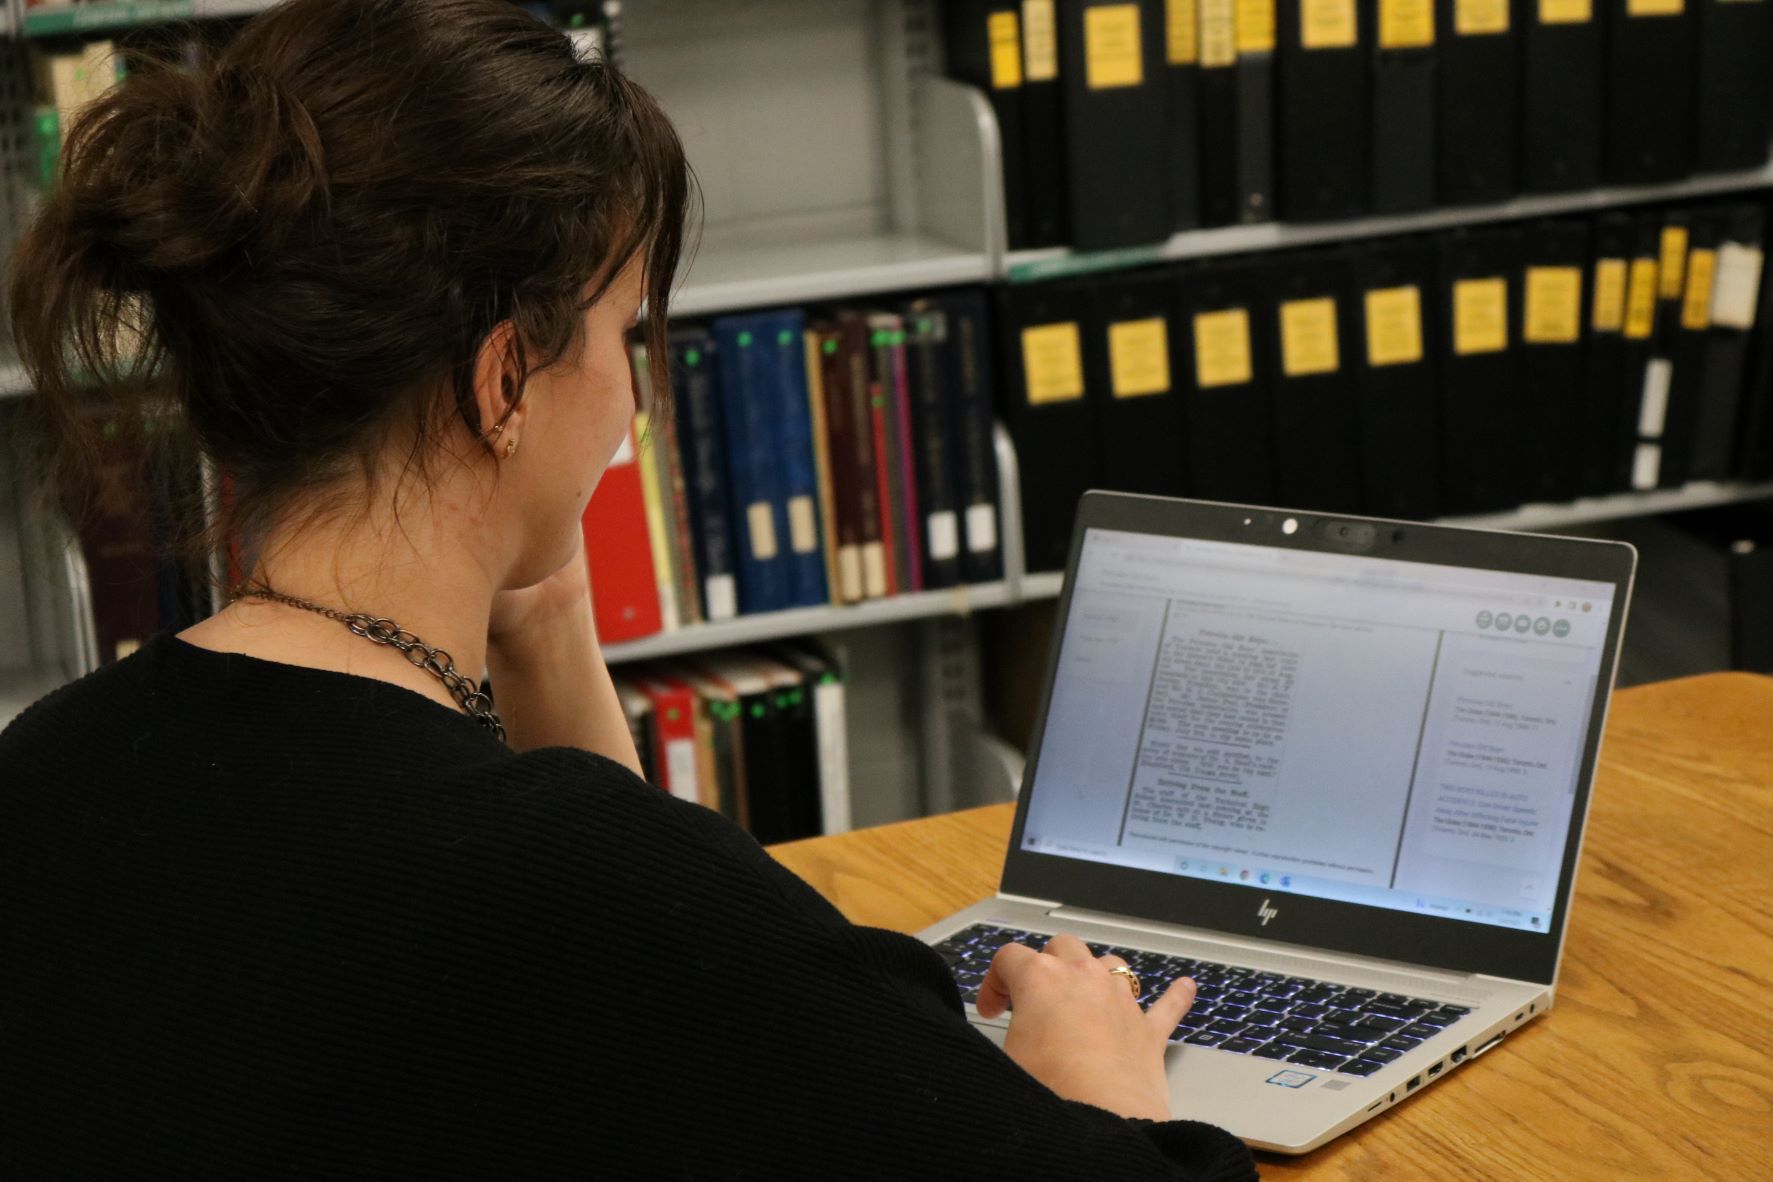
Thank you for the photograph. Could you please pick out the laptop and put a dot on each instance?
(1334, 768)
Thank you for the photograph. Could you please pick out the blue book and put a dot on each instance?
(702, 454)
(757, 505)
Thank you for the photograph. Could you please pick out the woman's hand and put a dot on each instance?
(529, 616)
(1077, 1028)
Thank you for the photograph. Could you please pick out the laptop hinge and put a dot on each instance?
(1049, 904)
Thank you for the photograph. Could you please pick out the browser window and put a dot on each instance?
(1397, 734)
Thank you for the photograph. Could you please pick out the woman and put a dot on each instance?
(283, 898)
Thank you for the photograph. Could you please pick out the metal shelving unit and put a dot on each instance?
(62, 19)
(1027, 266)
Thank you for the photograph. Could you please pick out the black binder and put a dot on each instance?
(1650, 58)
(984, 42)
(1607, 429)
(1046, 411)
(1321, 130)
(1688, 337)
(1216, 88)
(1549, 329)
(929, 375)
(1116, 105)
(1043, 125)
(1226, 406)
(969, 358)
(1402, 140)
(1182, 90)
(1255, 110)
(1639, 464)
(1735, 96)
(1733, 309)
(1134, 373)
(1310, 358)
(1485, 420)
(1563, 58)
(1477, 79)
(1393, 291)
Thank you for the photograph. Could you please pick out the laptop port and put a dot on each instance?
(1486, 1046)
(1415, 1082)
(1458, 1056)
(1375, 1104)
(1435, 1070)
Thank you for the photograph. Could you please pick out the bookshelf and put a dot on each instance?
(60, 19)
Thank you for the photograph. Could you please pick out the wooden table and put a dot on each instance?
(1655, 1062)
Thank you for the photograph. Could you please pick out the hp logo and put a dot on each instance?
(1266, 912)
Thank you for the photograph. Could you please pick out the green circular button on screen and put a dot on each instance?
(1523, 624)
(1485, 619)
(1561, 629)
(1541, 626)
(1504, 621)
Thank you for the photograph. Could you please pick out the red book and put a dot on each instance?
(675, 764)
(624, 591)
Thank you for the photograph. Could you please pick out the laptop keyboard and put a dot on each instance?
(1248, 1011)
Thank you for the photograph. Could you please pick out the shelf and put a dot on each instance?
(55, 20)
(805, 621)
(754, 275)
(1029, 266)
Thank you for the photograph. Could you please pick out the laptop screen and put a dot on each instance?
(1403, 735)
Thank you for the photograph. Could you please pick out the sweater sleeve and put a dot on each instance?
(800, 1044)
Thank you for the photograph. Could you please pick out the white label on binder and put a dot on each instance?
(1653, 410)
(1646, 467)
(1737, 286)
(982, 528)
(722, 594)
(680, 769)
(849, 573)
(944, 535)
(803, 526)
(761, 525)
(874, 570)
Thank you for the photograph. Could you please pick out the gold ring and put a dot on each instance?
(1132, 979)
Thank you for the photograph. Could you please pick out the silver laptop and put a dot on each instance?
(1334, 768)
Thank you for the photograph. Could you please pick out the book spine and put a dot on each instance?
(905, 447)
(654, 507)
(827, 502)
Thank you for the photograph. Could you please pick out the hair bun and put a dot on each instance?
(171, 171)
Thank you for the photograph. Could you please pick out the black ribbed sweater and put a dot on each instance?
(260, 921)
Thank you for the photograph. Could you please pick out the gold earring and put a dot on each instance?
(510, 448)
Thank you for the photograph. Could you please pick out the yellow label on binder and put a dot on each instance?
(1394, 326)
(1609, 295)
(1004, 33)
(1674, 261)
(1480, 18)
(1566, 12)
(1654, 7)
(1139, 357)
(1255, 26)
(1702, 268)
(1113, 55)
(1640, 299)
(1222, 348)
(1218, 33)
(1327, 24)
(1182, 32)
(1040, 41)
(1052, 360)
(1554, 305)
(1308, 337)
(1406, 24)
(1480, 316)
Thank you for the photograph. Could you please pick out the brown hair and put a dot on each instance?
(313, 234)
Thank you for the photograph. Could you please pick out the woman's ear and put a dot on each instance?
(498, 378)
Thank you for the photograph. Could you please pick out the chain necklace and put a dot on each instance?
(380, 630)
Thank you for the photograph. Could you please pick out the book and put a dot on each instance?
(724, 735)
(756, 484)
(1182, 110)
(901, 531)
(1322, 120)
(984, 47)
(873, 518)
(1550, 331)
(1402, 134)
(1608, 432)
(702, 455)
(1733, 115)
(938, 493)
(673, 758)
(825, 481)
(1734, 309)
(1393, 284)
(1563, 62)
(1308, 352)
(1221, 200)
(1132, 368)
(972, 429)
(1226, 407)
(637, 710)
(1688, 349)
(825, 681)
(1043, 127)
(1482, 411)
(1477, 80)
(845, 472)
(618, 548)
(653, 499)
(1255, 110)
(1650, 83)
(1116, 116)
(1639, 466)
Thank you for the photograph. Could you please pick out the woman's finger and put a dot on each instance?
(999, 985)
(1065, 946)
(1172, 1006)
